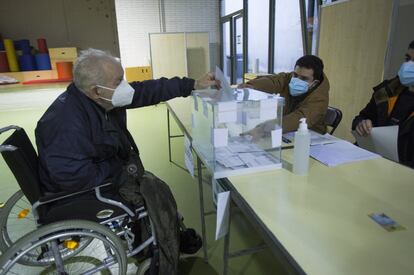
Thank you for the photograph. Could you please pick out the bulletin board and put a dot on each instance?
(352, 44)
(179, 54)
(198, 54)
(168, 55)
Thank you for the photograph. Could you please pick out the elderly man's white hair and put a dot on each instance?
(90, 68)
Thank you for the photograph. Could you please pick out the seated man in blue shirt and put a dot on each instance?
(83, 140)
(392, 103)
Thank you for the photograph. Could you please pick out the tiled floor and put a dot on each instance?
(149, 128)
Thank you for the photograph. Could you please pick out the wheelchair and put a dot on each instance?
(67, 233)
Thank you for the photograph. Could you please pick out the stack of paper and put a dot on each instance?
(239, 147)
(243, 158)
(255, 159)
(381, 140)
(316, 138)
(340, 152)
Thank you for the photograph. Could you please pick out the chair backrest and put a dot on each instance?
(332, 118)
(21, 157)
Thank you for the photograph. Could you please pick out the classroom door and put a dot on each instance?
(232, 53)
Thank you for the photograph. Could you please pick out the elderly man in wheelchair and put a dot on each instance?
(93, 204)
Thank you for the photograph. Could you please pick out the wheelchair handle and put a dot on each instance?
(10, 127)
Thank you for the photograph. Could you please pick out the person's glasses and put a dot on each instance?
(407, 57)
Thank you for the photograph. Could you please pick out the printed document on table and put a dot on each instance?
(381, 140)
(316, 138)
(340, 152)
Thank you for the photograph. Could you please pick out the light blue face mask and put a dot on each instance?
(406, 73)
(298, 86)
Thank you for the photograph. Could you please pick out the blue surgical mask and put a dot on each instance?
(406, 73)
(298, 86)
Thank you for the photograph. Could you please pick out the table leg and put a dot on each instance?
(226, 250)
(202, 212)
(169, 134)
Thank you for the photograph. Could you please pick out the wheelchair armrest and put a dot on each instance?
(112, 202)
(63, 195)
(7, 148)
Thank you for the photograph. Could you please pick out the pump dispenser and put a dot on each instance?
(301, 149)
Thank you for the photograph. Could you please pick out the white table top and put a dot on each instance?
(322, 219)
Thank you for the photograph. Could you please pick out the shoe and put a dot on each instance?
(190, 241)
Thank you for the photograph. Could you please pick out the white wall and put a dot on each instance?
(64, 23)
(404, 34)
(137, 18)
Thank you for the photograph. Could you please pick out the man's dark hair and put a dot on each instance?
(312, 62)
(411, 46)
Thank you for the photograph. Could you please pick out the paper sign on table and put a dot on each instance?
(223, 207)
(188, 156)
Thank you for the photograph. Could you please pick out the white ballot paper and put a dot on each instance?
(223, 207)
(188, 156)
(381, 140)
(225, 85)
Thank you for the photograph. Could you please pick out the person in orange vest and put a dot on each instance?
(392, 103)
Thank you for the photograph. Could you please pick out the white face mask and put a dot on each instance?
(122, 96)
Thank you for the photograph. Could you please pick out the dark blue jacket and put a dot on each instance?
(382, 112)
(81, 146)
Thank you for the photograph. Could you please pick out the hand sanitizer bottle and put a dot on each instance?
(301, 149)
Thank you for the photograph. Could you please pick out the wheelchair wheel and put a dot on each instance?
(16, 220)
(48, 245)
(76, 265)
(143, 268)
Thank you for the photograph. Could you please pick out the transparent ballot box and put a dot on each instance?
(237, 132)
